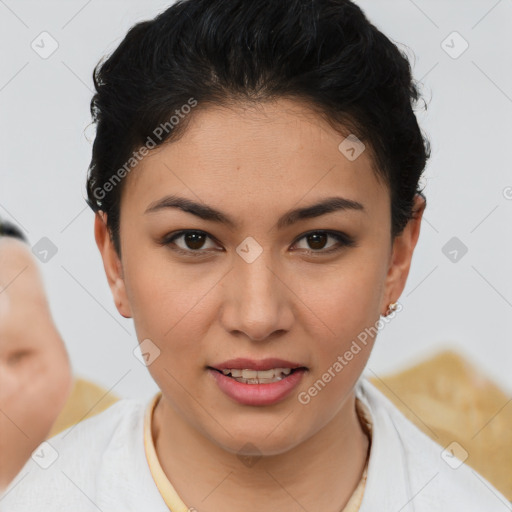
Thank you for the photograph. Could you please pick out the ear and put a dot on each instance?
(400, 261)
(111, 264)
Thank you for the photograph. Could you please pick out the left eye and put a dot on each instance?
(318, 239)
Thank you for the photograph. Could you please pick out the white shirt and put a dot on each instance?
(101, 465)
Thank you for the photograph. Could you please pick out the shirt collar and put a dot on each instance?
(387, 484)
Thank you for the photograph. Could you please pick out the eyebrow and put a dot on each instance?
(205, 212)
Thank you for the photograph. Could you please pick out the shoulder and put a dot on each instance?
(413, 470)
(84, 465)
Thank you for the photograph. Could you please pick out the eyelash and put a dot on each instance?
(343, 239)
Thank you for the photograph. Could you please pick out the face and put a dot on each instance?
(254, 281)
(35, 375)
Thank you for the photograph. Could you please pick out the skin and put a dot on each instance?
(254, 164)
(35, 373)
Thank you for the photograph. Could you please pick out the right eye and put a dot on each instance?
(192, 242)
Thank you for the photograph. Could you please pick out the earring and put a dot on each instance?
(392, 307)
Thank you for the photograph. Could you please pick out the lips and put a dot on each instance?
(259, 388)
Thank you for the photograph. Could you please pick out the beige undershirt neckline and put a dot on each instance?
(175, 503)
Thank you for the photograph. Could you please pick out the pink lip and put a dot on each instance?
(249, 364)
(258, 394)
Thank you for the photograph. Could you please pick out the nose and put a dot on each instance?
(257, 299)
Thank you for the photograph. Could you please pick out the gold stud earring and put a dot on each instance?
(391, 308)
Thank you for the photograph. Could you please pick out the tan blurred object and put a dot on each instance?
(86, 400)
(450, 400)
(445, 396)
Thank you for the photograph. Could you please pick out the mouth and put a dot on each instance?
(261, 387)
(257, 382)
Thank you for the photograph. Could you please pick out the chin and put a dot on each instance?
(258, 442)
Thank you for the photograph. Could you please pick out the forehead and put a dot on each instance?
(267, 154)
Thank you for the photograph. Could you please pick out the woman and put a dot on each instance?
(255, 181)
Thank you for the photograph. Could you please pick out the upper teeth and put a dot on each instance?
(255, 374)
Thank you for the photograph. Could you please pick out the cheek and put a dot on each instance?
(4, 305)
(169, 306)
(348, 305)
(348, 298)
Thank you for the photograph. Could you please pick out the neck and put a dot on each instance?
(321, 473)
